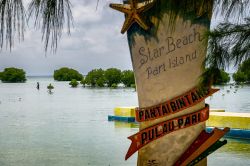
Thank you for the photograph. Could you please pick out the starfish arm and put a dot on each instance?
(141, 22)
(132, 12)
(128, 22)
(133, 3)
(120, 7)
(146, 7)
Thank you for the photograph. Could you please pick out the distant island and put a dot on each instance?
(13, 75)
(243, 73)
(67, 74)
(96, 77)
(112, 77)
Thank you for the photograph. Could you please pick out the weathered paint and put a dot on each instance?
(124, 111)
(229, 119)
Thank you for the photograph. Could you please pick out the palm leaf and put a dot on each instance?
(50, 16)
(233, 8)
(12, 21)
(228, 44)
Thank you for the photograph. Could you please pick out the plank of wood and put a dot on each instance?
(167, 65)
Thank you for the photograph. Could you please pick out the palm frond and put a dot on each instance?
(12, 21)
(193, 9)
(240, 42)
(196, 11)
(188, 9)
(209, 77)
(228, 44)
(233, 9)
(230, 40)
(50, 16)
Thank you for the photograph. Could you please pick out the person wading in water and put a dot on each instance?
(37, 86)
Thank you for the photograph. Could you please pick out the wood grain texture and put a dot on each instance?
(158, 79)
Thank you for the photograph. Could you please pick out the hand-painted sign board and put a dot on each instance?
(151, 134)
(175, 105)
(168, 50)
(167, 65)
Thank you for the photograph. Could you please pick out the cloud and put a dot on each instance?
(95, 42)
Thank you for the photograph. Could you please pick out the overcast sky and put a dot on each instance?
(95, 42)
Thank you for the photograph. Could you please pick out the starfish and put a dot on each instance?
(133, 11)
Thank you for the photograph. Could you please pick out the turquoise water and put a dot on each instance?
(70, 127)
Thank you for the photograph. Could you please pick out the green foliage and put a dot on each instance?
(243, 73)
(223, 78)
(239, 77)
(95, 78)
(228, 43)
(1, 75)
(74, 83)
(133, 86)
(83, 81)
(67, 74)
(128, 78)
(100, 82)
(216, 76)
(13, 75)
(114, 85)
(245, 66)
(113, 76)
(50, 87)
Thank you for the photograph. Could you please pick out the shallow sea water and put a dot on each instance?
(70, 126)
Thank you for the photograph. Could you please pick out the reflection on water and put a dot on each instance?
(71, 128)
(237, 146)
(125, 125)
(231, 98)
(235, 152)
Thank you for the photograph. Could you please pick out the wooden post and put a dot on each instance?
(167, 58)
(167, 64)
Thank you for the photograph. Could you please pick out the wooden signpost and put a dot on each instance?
(167, 52)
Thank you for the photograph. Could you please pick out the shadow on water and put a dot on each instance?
(237, 146)
(71, 127)
(240, 147)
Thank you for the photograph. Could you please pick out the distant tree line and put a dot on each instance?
(241, 76)
(113, 76)
(67, 74)
(110, 78)
(73, 83)
(243, 73)
(222, 77)
(96, 77)
(13, 75)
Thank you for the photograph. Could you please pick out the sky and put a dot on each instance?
(95, 42)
